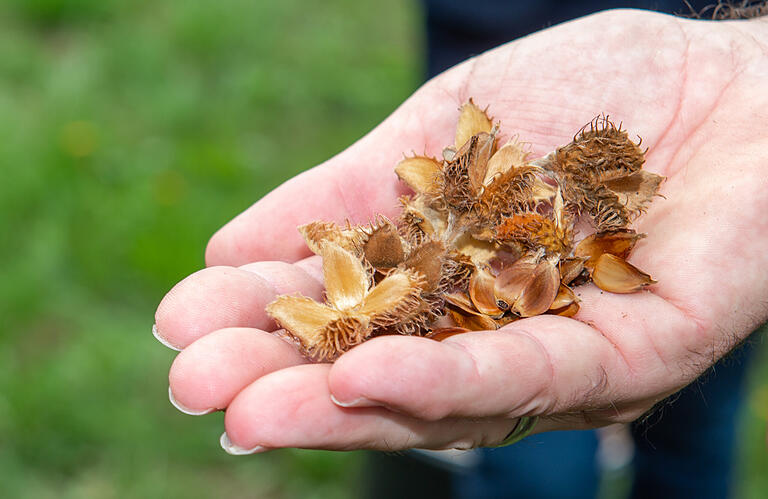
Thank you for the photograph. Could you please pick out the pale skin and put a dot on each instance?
(695, 91)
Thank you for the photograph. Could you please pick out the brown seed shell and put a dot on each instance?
(570, 268)
(637, 190)
(427, 259)
(473, 322)
(384, 248)
(512, 281)
(564, 298)
(481, 293)
(462, 302)
(540, 291)
(614, 274)
(615, 242)
(567, 311)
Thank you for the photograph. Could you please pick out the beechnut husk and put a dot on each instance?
(487, 238)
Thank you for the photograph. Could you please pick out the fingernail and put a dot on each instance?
(162, 340)
(185, 410)
(358, 402)
(236, 450)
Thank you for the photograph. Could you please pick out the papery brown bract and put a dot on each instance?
(472, 120)
(614, 274)
(570, 268)
(510, 156)
(348, 238)
(511, 281)
(421, 173)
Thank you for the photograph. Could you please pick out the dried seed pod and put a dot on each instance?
(418, 217)
(509, 193)
(427, 258)
(346, 279)
(564, 298)
(462, 302)
(315, 233)
(511, 282)
(472, 120)
(421, 173)
(481, 292)
(384, 248)
(510, 156)
(479, 252)
(462, 178)
(540, 291)
(614, 274)
(599, 153)
(322, 331)
(394, 299)
(567, 311)
(635, 191)
(570, 268)
(534, 231)
(472, 216)
(616, 242)
(601, 172)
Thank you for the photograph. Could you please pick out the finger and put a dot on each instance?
(208, 374)
(220, 297)
(267, 230)
(542, 365)
(292, 408)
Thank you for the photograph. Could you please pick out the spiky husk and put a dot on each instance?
(534, 231)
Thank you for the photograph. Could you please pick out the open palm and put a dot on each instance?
(696, 93)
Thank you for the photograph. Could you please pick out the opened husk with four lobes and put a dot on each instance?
(487, 238)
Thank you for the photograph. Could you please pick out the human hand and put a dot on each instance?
(695, 92)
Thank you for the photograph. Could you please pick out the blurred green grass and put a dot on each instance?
(131, 130)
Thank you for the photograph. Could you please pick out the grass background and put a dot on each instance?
(130, 130)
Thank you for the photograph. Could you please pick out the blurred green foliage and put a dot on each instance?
(131, 130)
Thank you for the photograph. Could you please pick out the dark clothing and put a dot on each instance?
(459, 29)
